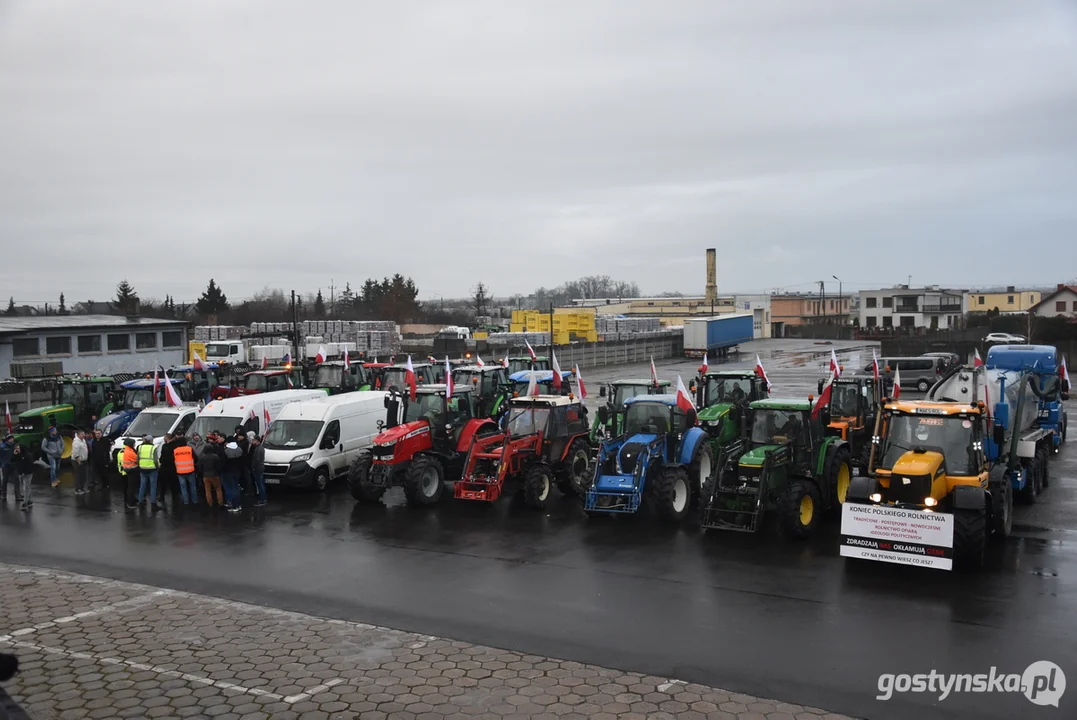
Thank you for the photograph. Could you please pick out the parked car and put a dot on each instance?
(1004, 339)
(950, 358)
(918, 373)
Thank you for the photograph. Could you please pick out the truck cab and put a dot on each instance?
(226, 351)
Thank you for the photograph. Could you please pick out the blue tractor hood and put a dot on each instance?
(115, 424)
(628, 456)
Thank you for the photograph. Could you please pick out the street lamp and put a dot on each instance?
(841, 310)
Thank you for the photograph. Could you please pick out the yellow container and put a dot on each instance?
(480, 335)
(195, 347)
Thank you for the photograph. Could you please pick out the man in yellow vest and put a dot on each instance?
(188, 480)
(127, 462)
(148, 462)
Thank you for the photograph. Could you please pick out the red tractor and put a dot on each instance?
(423, 452)
(545, 442)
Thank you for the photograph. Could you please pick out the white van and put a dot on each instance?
(311, 443)
(157, 421)
(248, 411)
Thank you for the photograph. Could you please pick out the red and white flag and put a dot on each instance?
(505, 362)
(478, 361)
(265, 416)
(197, 363)
(874, 365)
(265, 362)
(320, 357)
(1063, 373)
(581, 388)
(834, 367)
(172, 397)
(347, 360)
(409, 378)
(530, 351)
(897, 383)
(761, 372)
(449, 384)
(11, 427)
(532, 384)
(977, 361)
(824, 397)
(654, 373)
(705, 365)
(684, 400)
(156, 386)
(556, 382)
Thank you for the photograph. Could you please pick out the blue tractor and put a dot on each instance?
(137, 395)
(661, 457)
(518, 382)
(1042, 363)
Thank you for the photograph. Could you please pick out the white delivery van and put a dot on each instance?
(157, 421)
(248, 411)
(311, 443)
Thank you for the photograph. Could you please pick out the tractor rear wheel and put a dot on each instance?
(1033, 474)
(970, 539)
(670, 492)
(538, 478)
(359, 479)
(424, 482)
(1001, 507)
(702, 468)
(800, 507)
(573, 476)
(839, 475)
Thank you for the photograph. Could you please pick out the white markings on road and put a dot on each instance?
(113, 607)
(314, 690)
(669, 684)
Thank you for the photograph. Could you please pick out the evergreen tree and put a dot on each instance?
(125, 295)
(319, 305)
(11, 307)
(482, 298)
(212, 301)
(63, 307)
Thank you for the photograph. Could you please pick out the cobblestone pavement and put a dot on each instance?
(93, 648)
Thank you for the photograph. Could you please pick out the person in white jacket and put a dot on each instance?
(80, 453)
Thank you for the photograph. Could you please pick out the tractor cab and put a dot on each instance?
(524, 362)
(270, 380)
(197, 384)
(851, 413)
(334, 378)
(489, 383)
(520, 381)
(723, 397)
(89, 397)
(137, 395)
(616, 394)
(394, 377)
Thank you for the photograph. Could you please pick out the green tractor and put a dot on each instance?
(723, 398)
(525, 362)
(610, 416)
(789, 465)
(490, 388)
(332, 377)
(77, 402)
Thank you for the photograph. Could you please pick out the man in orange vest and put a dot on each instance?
(128, 466)
(188, 481)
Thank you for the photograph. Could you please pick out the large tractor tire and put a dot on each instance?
(1045, 465)
(538, 481)
(1001, 504)
(670, 492)
(359, 479)
(702, 468)
(800, 508)
(970, 539)
(424, 482)
(1033, 479)
(839, 476)
(574, 478)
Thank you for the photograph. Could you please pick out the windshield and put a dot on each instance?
(223, 424)
(950, 435)
(328, 376)
(292, 434)
(136, 399)
(70, 394)
(217, 350)
(395, 378)
(647, 417)
(154, 424)
(844, 401)
(623, 392)
(255, 382)
(771, 427)
(720, 389)
(424, 407)
(527, 419)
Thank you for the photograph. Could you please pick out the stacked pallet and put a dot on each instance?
(213, 333)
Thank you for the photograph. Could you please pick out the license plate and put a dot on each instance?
(272, 481)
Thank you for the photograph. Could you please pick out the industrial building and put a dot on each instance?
(96, 344)
(907, 307)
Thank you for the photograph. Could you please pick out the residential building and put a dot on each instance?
(1061, 303)
(808, 309)
(1012, 300)
(96, 344)
(907, 308)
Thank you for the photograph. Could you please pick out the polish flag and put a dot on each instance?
(320, 357)
(532, 384)
(505, 362)
(581, 389)
(156, 386)
(874, 365)
(449, 384)
(824, 397)
(654, 373)
(1063, 375)
(265, 416)
(684, 400)
(11, 427)
(409, 378)
(197, 363)
(556, 372)
(478, 361)
(347, 360)
(530, 351)
(704, 366)
(172, 398)
(761, 372)
(977, 361)
(265, 362)
(897, 383)
(834, 367)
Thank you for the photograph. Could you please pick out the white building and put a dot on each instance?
(1062, 302)
(759, 307)
(904, 307)
(95, 344)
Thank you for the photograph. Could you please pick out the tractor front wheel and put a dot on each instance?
(702, 468)
(1033, 474)
(800, 506)
(970, 539)
(574, 472)
(839, 475)
(671, 493)
(359, 479)
(1001, 508)
(424, 482)
(537, 481)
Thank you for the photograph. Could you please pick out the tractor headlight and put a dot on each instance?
(930, 501)
(875, 497)
(714, 423)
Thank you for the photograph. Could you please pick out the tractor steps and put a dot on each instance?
(596, 501)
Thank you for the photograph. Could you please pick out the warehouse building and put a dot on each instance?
(95, 344)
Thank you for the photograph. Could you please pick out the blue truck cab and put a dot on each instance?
(519, 381)
(659, 459)
(137, 395)
(1042, 362)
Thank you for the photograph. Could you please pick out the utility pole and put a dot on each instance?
(332, 299)
(841, 308)
(822, 298)
(551, 331)
(295, 330)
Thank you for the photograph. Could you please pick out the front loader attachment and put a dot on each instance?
(484, 469)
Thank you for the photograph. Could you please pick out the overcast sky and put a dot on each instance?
(526, 143)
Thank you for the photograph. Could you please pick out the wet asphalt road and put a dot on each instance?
(755, 614)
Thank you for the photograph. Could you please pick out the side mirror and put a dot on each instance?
(1000, 435)
(602, 391)
(821, 383)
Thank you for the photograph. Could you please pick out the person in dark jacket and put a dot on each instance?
(23, 462)
(168, 482)
(258, 468)
(8, 474)
(211, 464)
(100, 461)
(235, 466)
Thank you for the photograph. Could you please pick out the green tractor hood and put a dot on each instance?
(717, 411)
(45, 411)
(757, 455)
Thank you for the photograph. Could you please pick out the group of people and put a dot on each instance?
(223, 466)
(177, 467)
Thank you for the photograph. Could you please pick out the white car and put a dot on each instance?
(1004, 339)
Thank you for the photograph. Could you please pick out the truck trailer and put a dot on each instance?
(716, 335)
